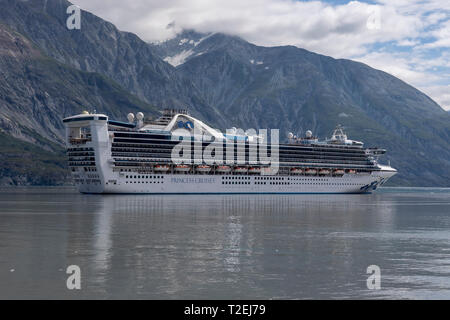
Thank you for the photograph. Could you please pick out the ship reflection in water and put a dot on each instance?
(224, 246)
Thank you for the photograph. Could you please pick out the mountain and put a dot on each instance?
(35, 92)
(295, 90)
(49, 72)
(101, 48)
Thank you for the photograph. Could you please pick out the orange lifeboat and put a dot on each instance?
(324, 172)
(223, 169)
(311, 172)
(296, 171)
(240, 170)
(352, 171)
(161, 168)
(203, 168)
(339, 172)
(254, 170)
(182, 168)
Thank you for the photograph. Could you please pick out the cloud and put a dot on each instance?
(441, 95)
(312, 25)
(394, 36)
(441, 36)
(401, 66)
(417, 71)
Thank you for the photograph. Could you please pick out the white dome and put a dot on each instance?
(309, 134)
(140, 116)
(130, 117)
(290, 135)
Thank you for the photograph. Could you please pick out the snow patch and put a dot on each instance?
(259, 62)
(252, 61)
(179, 58)
(204, 38)
(183, 41)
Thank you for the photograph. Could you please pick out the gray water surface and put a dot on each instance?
(224, 246)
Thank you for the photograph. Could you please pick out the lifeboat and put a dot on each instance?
(352, 171)
(296, 171)
(203, 168)
(223, 169)
(339, 172)
(268, 171)
(311, 172)
(324, 172)
(240, 170)
(161, 168)
(182, 168)
(254, 170)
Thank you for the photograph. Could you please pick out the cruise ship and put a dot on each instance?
(168, 154)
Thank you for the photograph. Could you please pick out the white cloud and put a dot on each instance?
(341, 31)
(399, 65)
(441, 95)
(415, 71)
(441, 36)
(311, 25)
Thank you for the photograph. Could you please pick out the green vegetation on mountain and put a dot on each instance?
(24, 163)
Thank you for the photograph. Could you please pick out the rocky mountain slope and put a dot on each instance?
(49, 72)
(100, 47)
(35, 92)
(295, 90)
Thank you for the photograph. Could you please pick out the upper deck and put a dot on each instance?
(137, 142)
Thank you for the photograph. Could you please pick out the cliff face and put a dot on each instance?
(35, 93)
(99, 47)
(48, 72)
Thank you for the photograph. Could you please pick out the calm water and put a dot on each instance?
(225, 247)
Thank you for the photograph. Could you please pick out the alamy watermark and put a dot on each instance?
(234, 148)
(74, 20)
(374, 20)
(74, 280)
(374, 280)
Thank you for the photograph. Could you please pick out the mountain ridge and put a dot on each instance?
(291, 88)
(225, 81)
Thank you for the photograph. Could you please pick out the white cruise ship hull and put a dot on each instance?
(232, 184)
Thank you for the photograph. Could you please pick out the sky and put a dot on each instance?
(409, 39)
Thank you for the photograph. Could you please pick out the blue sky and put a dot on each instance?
(407, 38)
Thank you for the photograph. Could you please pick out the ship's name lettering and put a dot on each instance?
(193, 180)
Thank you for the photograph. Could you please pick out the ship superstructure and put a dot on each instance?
(177, 153)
